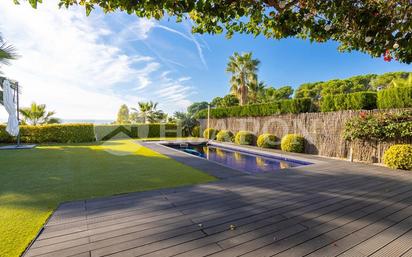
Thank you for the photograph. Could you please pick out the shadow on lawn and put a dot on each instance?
(295, 211)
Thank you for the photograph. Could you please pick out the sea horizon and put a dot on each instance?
(66, 121)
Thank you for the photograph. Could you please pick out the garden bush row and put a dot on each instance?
(397, 97)
(289, 143)
(353, 101)
(53, 133)
(396, 157)
(81, 133)
(298, 105)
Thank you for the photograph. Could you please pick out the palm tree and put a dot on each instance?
(256, 91)
(149, 113)
(36, 114)
(244, 73)
(186, 121)
(7, 52)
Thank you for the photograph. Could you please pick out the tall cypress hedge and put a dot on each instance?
(353, 101)
(298, 105)
(397, 97)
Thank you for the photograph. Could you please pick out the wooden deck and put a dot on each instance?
(330, 209)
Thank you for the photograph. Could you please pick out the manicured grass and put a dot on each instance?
(34, 182)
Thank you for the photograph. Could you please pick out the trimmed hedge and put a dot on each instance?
(245, 138)
(397, 97)
(81, 133)
(298, 105)
(210, 133)
(399, 157)
(53, 133)
(293, 143)
(353, 101)
(224, 136)
(152, 130)
(267, 141)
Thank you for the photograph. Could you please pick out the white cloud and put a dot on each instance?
(190, 38)
(139, 30)
(67, 64)
(184, 79)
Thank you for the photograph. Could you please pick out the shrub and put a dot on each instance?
(353, 101)
(224, 136)
(397, 97)
(81, 133)
(399, 157)
(210, 133)
(4, 136)
(379, 126)
(298, 105)
(293, 143)
(196, 131)
(266, 141)
(245, 138)
(53, 133)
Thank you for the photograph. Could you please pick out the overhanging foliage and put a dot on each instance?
(376, 27)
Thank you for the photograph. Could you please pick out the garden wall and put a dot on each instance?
(323, 132)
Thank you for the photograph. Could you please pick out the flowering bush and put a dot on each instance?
(381, 126)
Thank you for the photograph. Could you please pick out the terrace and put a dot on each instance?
(329, 208)
(129, 130)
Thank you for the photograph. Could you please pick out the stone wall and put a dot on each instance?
(322, 131)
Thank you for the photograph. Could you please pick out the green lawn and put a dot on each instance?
(34, 182)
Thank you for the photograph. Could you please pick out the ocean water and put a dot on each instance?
(87, 121)
(64, 121)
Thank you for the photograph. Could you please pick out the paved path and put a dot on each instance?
(326, 209)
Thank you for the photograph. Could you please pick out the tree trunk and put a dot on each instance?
(243, 95)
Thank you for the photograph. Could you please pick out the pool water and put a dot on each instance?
(239, 160)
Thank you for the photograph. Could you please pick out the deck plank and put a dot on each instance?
(328, 209)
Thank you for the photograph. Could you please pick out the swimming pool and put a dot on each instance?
(238, 159)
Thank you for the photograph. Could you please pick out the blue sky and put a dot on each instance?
(85, 67)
